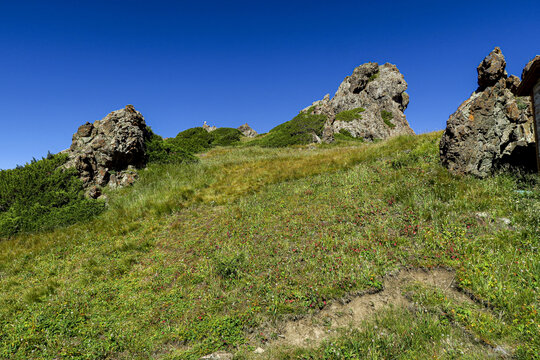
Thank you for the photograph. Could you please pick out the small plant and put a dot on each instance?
(374, 76)
(350, 115)
(387, 116)
(521, 103)
(230, 267)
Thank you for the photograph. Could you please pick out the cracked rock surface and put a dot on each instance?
(377, 90)
(108, 151)
(493, 130)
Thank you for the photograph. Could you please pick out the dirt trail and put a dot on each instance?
(313, 329)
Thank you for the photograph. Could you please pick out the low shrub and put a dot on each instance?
(225, 136)
(42, 196)
(197, 139)
(193, 140)
(297, 131)
(166, 152)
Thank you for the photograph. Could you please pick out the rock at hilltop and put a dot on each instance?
(493, 130)
(208, 127)
(368, 104)
(108, 151)
(247, 131)
(491, 69)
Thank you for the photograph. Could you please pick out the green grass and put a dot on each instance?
(387, 117)
(350, 115)
(196, 258)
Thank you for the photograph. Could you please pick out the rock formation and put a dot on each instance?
(491, 131)
(247, 130)
(208, 127)
(108, 151)
(368, 104)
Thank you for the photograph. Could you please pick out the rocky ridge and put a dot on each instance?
(492, 130)
(368, 104)
(108, 151)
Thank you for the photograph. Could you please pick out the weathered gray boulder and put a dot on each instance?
(491, 131)
(368, 104)
(108, 151)
(247, 130)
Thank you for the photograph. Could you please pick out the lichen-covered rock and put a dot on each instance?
(491, 131)
(368, 104)
(247, 131)
(108, 151)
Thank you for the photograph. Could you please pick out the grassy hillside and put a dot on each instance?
(224, 253)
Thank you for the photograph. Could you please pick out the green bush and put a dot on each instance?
(387, 116)
(350, 115)
(297, 131)
(165, 152)
(197, 139)
(193, 140)
(42, 196)
(226, 136)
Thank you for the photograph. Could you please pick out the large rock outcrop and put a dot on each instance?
(493, 130)
(368, 104)
(107, 151)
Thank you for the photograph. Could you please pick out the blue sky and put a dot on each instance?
(181, 63)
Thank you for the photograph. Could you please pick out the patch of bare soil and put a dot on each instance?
(353, 311)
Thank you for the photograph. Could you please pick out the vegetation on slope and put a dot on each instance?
(298, 131)
(387, 117)
(197, 257)
(42, 196)
(350, 115)
(197, 139)
(163, 152)
(345, 135)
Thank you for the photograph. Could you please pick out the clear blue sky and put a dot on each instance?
(180, 63)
